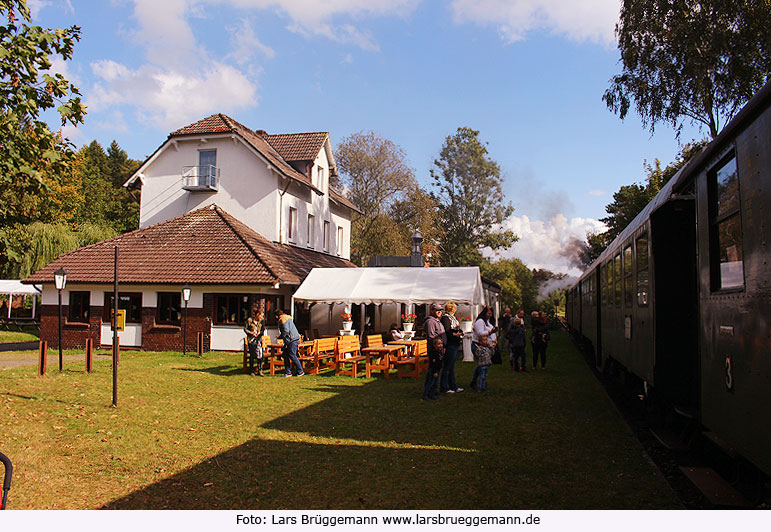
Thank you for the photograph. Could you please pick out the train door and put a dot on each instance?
(675, 296)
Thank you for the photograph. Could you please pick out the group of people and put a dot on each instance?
(287, 331)
(444, 336)
(514, 328)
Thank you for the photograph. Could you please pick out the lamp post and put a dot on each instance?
(186, 297)
(60, 280)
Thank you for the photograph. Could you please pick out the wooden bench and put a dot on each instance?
(415, 363)
(324, 354)
(374, 340)
(348, 352)
(273, 353)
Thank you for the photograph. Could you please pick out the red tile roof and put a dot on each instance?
(220, 123)
(298, 146)
(205, 246)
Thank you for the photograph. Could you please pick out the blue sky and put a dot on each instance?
(528, 74)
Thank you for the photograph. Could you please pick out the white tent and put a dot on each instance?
(351, 286)
(13, 287)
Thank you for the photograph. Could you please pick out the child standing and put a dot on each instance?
(484, 359)
(435, 355)
(517, 341)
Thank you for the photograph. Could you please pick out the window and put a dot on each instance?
(727, 263)
(617, 280)
(311, 224)
(233, 309)
(320, 177)
(207, 168)
(604, 285)
(325, 244)
(80, 307)
(641, 248)
(628, 289)
(292, 223)
(339, 240)
(131, 303)
(169, 308)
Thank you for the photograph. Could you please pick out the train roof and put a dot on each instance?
(687, 173)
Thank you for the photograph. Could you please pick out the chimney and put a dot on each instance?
(416, 259)
(261, 132)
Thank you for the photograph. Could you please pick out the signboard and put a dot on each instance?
(120, 323)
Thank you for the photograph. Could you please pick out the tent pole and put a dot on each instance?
(363, 316)
(10, 304)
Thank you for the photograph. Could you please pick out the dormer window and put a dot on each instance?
(204, 176)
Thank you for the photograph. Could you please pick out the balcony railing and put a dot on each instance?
(201, 178)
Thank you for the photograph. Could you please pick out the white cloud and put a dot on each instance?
(578, 20)
(549, 244)
(245, 43)
(171, 98)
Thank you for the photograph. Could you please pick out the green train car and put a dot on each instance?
(682, 297)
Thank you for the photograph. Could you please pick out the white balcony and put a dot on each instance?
(201, 178)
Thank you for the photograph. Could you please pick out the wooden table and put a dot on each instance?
(380, 358)
(275, 353)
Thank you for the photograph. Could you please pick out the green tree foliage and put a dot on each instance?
(31, 153)
(518, 287)
(418, 210)
(39, 243)
(467, 189)
(631, 199)
(375, 176)
(690, 59)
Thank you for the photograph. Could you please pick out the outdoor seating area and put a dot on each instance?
(345, 356)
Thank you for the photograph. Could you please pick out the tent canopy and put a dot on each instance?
(15, 288)
(353, 286)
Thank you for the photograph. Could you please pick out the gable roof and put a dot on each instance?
(298, 146)
(205, 246)
(222, 124)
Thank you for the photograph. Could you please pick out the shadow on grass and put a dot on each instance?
(224, 371)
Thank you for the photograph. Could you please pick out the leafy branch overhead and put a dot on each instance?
(697, 60)
(28, 88)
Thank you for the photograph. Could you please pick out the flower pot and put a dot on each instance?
(466, 326)
(408, 326)
(347, 325)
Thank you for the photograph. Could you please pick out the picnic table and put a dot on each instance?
(275, 351)
(382, 357)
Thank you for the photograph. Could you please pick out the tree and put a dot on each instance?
(418, 210)
(374, 175)
(467, 189)
(690, 59)
(32, 155)
(630, 200)
(518, 288)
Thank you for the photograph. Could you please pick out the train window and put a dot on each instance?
(603, 287)
(617, 278)
(641, 246)
(725, 227)
(628, 297)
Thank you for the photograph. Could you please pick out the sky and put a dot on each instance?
(527, 74)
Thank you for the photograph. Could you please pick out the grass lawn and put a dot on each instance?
(27, 335)
(196, 433)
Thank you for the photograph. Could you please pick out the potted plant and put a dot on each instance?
(408, 321)
(466, 324)
(347, 321)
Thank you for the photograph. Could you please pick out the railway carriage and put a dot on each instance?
(682, 297)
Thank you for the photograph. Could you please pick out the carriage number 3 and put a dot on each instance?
(729, 378)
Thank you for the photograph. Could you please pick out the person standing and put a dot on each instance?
(435, 354)
(434, 329)
(454, 336)
(484, 359)
(291, 337)
(482, 326)
(539, 339)
(505, 323)
(255, 329)
(516, 339)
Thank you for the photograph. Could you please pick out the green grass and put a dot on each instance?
(196, 433)
(27, 335)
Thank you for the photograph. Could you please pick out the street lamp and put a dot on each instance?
(60, 280)
(186, 297)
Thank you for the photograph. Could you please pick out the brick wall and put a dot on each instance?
(155, 337)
